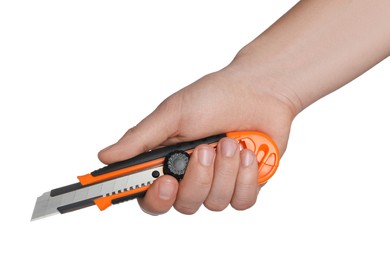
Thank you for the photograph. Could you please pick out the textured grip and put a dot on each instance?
(175, 164)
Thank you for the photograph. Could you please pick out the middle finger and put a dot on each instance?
(226, 167)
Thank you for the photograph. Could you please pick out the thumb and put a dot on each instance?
(148, 134)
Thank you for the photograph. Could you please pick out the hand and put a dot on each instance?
(311, 51)
(217, 103)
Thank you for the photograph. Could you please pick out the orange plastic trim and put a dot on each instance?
(264, 147)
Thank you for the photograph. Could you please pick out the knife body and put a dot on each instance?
(129, 179)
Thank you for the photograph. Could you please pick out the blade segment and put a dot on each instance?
(47, 205)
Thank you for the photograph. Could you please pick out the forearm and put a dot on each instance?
(317, 47)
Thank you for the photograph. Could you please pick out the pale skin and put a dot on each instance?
(314, 49)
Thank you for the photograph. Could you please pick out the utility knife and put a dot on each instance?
(129, 179)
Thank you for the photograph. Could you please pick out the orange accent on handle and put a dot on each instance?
(264, 147)
(90, 179)
(105, 202)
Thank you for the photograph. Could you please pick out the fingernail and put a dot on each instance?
(206, 156)
(166, 190)
(229, 147)
(247, 158)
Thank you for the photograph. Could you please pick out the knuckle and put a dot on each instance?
(186, 209)
(226, 172)
(152, 213)
(242, 205)
(203, 181)
(215, 205)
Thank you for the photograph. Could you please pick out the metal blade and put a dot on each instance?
(47, 205)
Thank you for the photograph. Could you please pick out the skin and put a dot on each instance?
(311, 51)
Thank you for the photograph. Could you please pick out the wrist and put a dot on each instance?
(267, 78)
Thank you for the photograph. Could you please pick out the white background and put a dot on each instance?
(75, 75)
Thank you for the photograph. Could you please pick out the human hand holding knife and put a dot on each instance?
(129, 179)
